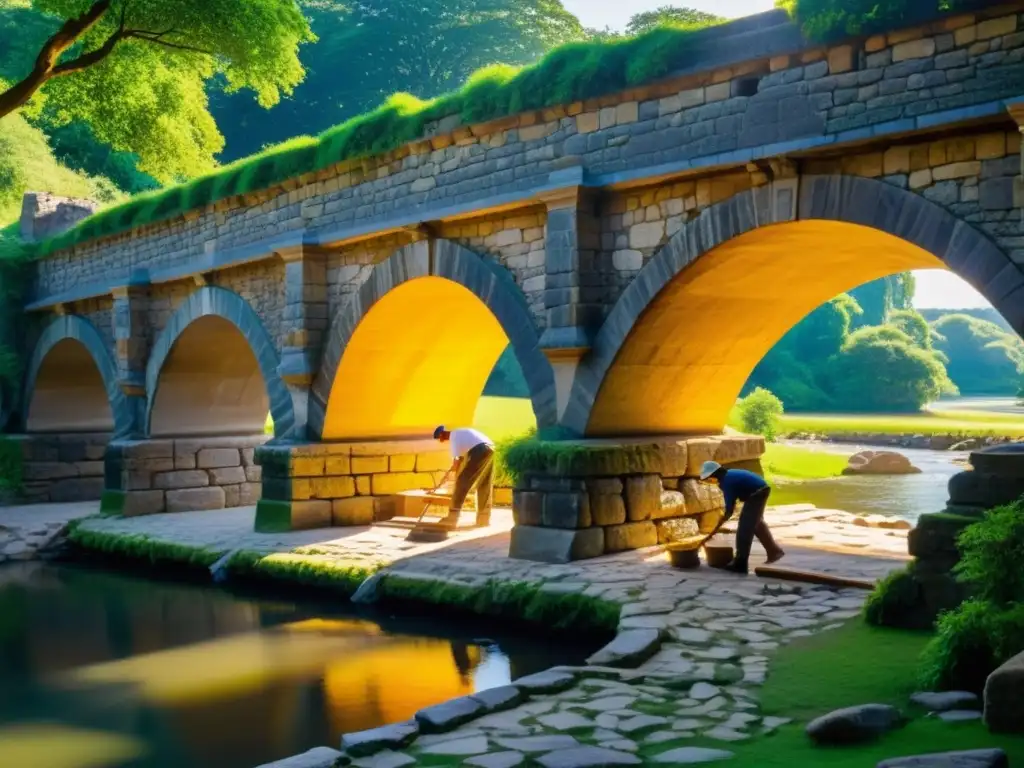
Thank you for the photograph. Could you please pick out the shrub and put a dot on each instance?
(972, 641)
(991, 553)
(759, 413)
(897, 602)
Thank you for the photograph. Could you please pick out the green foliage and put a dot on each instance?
(913, 325)
(533, 454)
(11, 464)
(148, 95)
(669, 15)
(426, 47)
(984, 358)
(880, 369)
(520, 601)
(971, 642)
(894, 598)
(830, 20)
(760, 412)
(992, 551)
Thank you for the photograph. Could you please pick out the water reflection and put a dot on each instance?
(101, 670)
(903, 496)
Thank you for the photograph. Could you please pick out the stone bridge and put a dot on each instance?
(639, 252)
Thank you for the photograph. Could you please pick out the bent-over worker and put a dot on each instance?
(753, 491)
(473, 465)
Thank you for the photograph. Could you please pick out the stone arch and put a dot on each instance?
(903, 229)
(491, 307)
(222, 335)
(75, 374)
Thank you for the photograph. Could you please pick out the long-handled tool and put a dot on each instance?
(429, 502)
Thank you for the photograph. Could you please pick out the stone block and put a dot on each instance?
(671, 504)
(232, 495)
(340, 487)
(392, 737)
(185, 478)
(363, 485)
(358, 510)
(629, 649)
(1004, 697)
(338, 465)
(981, 489)
(555, 545)
(195, 499)
(527, 507)
(89, 468)
(619, 538)
(566, 510)
(306, 515)
(396, 482)
(701, 497)
(604, 485)
(249, 494)
(402, 462)
(502, 497)
(307, 466)
(1004, 25)
(607, 508)
(433, 461)
(699, 450)
(227, 476)
(76, 489)
(996, 194)
(922, 48)
(676, 529)
(137, 503)
(961, 170)
(248, 457)
(643, 497)
(646, 235)
(48, 471)
(253, 474)
(587, 122)
(369, 465)
(1002, 460)
(210, 458)
(840, 59)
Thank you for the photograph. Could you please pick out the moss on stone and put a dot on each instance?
(112, 503)
(566, 458)
(273, 516)
(141, 548)
(301, 568)
(506, 600)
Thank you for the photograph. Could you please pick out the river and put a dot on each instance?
(901, 496)
(109, 670)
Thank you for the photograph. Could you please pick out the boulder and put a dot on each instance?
(676, 529)
(944, 701)
(1004, 697)
(880, 463)
(854, 725)
(975, 758)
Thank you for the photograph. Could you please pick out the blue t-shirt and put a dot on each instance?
(739, 484)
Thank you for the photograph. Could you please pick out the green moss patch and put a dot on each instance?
(301, 568)
(567, 458)
(518, 601)
(141, 548)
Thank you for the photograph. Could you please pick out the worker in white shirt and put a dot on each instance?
(473, 465)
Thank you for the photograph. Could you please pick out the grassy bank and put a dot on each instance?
(965, 423)
(855, 664)
(791, 462)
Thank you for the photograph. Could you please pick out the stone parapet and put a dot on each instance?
(147, 477)
(316, 485)
(595, 497)
(60, 468)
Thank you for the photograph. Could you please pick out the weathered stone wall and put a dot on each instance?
(820, 94)
(344, 484)
(59, 468)
(625, 500)
(262, 285)
(44, 215)
(185, 475)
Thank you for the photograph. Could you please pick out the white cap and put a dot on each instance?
(709, 468)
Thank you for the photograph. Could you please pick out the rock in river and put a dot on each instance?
(880, 463)
(943, 701)
(854, 725)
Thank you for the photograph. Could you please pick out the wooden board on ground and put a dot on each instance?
(811, 577)
(412, 503)
(466, 522)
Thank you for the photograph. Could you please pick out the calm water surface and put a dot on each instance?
(104, 670)
(902, 496)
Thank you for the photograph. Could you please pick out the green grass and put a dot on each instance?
(959, 423)
(856, 664)
(570, 73)
(791, 462)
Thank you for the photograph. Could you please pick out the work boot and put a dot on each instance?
(764, 535)
(451, 520)
(737, 566)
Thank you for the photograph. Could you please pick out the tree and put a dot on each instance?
(760, 412)
(880, 369)
(880, 297)
(669, 15)
(913, 325)
(370, 49)
(136, 71)
(983, 358)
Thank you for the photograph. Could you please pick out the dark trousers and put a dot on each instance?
(477, 471)
(752, 524)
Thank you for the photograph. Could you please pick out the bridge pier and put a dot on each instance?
(587, 498)
(317, 485)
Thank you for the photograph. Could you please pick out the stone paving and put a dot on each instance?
(27, 530)
(692, 649)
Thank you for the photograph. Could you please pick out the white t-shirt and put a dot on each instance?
(464, 440)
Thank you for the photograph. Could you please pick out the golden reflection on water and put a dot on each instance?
(358, 676)
(42, 745)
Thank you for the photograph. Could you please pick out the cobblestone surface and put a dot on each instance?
(26, 530)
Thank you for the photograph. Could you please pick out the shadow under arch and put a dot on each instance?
(71, 383)
(414, 346)
(220, 361)
(678, 345)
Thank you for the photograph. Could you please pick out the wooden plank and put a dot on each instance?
(811, 577)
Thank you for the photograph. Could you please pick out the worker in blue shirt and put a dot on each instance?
(753, 491)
